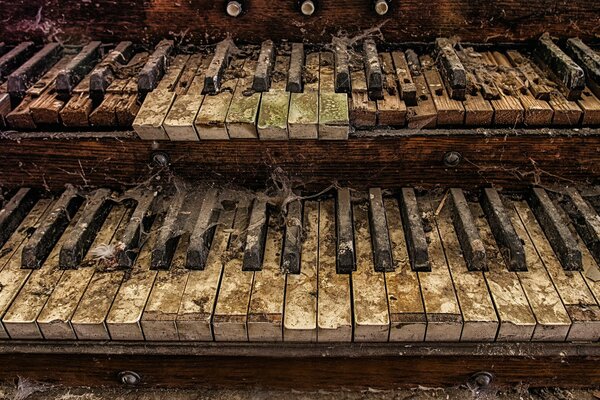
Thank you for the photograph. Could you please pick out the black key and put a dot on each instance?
(294, 83)
(255, 237)
(17, 56)
(155, 67)
(408, 90)
(203, 232)
(373, 70)
(382, 250)
(414, 64)
(345, 233)
(467, 232)
(78, 243)
(15, 211)
(416, 241)
(556, 230)
(570, 74)
(585, 220)
(264, 67)
(588, 59)
(237, 238)
(508, 241)
(216, 68)
(47, 234)
(452, 69)
(130, 241)
(292, 247)
(78, 67)
(342, 67)
(26, 75)
(169, 234)
(102, 76)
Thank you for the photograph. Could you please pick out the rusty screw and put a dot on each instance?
(452, 158)
(129, 378)
(480, 380)
(160, 159)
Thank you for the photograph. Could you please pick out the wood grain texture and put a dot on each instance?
(204, 20)
(501, 157)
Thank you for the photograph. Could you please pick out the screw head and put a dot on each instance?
(452, 158)
(307, 8)
(234, 8)
(129, 378)
(160, 159)
(381, 7)
(480, 380)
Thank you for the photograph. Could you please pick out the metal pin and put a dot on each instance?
(381, 7)
(307, 7)
(234, 8)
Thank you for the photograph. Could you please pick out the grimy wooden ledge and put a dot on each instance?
(510, 159)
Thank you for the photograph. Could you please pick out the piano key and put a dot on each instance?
(295, 74)
(200, 294)
(588, 59)
(517, 322)
(407, 315)
(45, 110)
(170, 233)
(480, 322)
(584, 219)
(129, 241)
(576, 297)
(508, 110)
(231, 310)
(20, 319)
(373, 70)
(478, 110)
(179, 122)
(416, 241)
(467, 233)
(590, 104)
(79, 66)
(300, 315)
(345, 234)
(569, 74)
(150, 118)
(555, 229)
(210, 121)
(370, 307)
(292, 247)
(217, 67)
(265, 312)
(538, 87)
(449, 111)
(12, 276)
(160, 312)
(509, 243)
(123, 318)
(23, 77)
(424, 113)
(103, 74)
(451, 69)
(408, 90)
(553, 322)
(264, 67)
(89, 319)
(444, 319)
(391, 110)
(47, 235)
(342, 67)
(15, 211)
(334, 310)
(14, 58)
(78, 243)
(20, 117)
(536, 112)
(128, 106)
(243, 110)
(203, 232)
(363, 110)
(54, 320)
(155, 67)
(255, 237)
(274, 106)
(303, 117)
(77, 110)
(334, 121)
(566, 113)
(382, 252)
